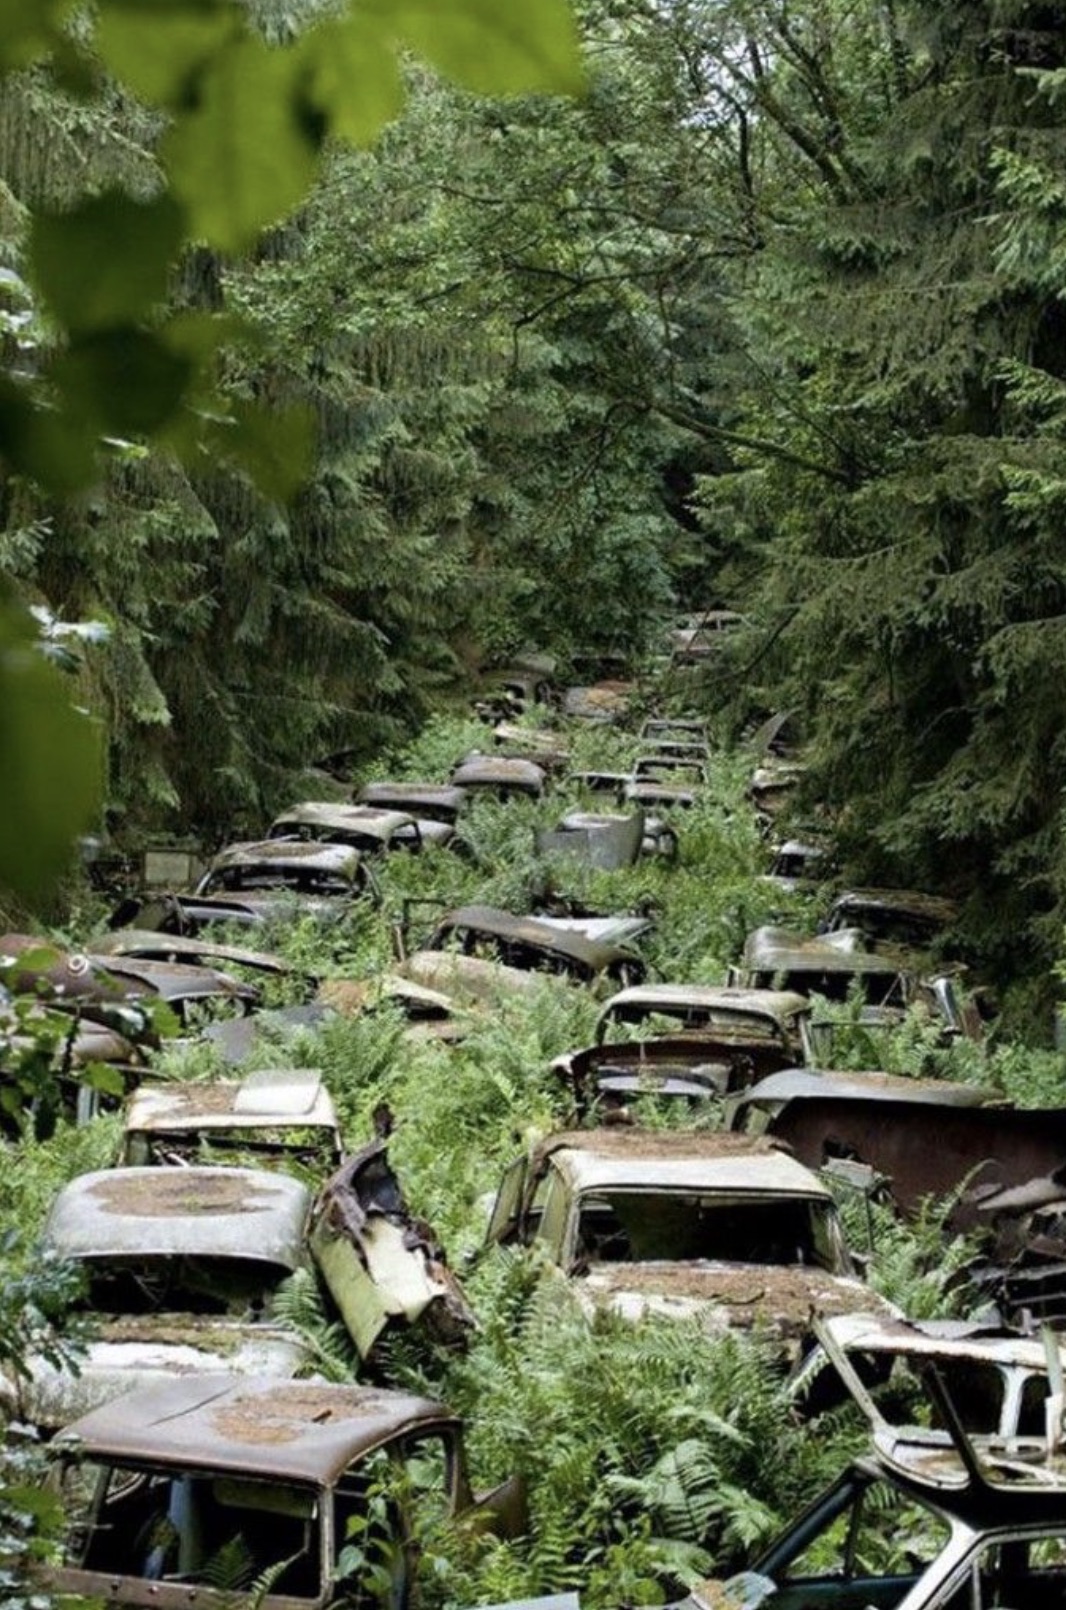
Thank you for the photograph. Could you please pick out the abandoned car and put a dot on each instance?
(185, 987)
(833, 965)
(434, 806)
(893, 917)
(500, 777)
(240, 1493)
(151, 944)
(382, 1266)
(934, 1517)
(276, 1116)
(602, 839)
(256, 882)
(370, 829)
(181, 1268)
(536, 944)
(680, 1224)
(440, 992)
(752, 1031)
(999, 1383)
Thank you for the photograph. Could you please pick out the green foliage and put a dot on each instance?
(51, 763)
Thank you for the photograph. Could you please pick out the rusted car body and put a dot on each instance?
(608, 789)
(893, 917)
(434, 806)
(759, 1108)
(500, 777)
(183, 986)
(764, 1017)
(426, 802)
(697, 638)
(999, 1383)
(684, 729)
(1004, 1165)
(602, 839)
(797, 864)
(440, 992)
(662, 767)
(279, 1116)
(152, 945)
(370, 829)
(706, 1041)
(273, 877)
(889, 979)
(536, 944)
(934, 1517)
(547, 748)
(823, 964)
(665, 782)
(513, 690)
(201, 1490)
(603, 702)
(682, 1224)
(181, 1267)
(772, 788)
(383, 1267)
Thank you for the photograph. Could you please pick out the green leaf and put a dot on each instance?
(274, 446)
(28, 27)
(44, 444)
(244, 157)
(106, 261)
(101, 1076)
(354, 78)
(159, 49)
(50, 761)
(126, 380)
(492, 46)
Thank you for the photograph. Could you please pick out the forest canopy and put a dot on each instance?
(769, 315)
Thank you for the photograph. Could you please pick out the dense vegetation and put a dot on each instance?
(768, 317)
(653, 1454)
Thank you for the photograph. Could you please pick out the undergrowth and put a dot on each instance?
(653, 1454)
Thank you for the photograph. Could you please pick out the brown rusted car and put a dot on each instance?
(383, 1266)
(181, 1270)
(274, 1116)
(256, 882)
(722, 1227)
(537, 944)
(370, 829)
(697, 1041)
(253, 1494)
(499, 777)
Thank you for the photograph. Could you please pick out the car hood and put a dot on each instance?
(136, 1352)
(726, 1296)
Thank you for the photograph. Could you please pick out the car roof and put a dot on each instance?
(781, 950)
(779, 1005)
(795, 1084)
(176, 981)
(626, 1158)
(367, 820)
(340, 859)
(275, 1097)
(202, 1212)
(152, 944)
(491, 920)
(905, 902)
(300, 1431)
(440, 796)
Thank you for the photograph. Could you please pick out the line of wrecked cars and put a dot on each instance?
(224, 1194)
